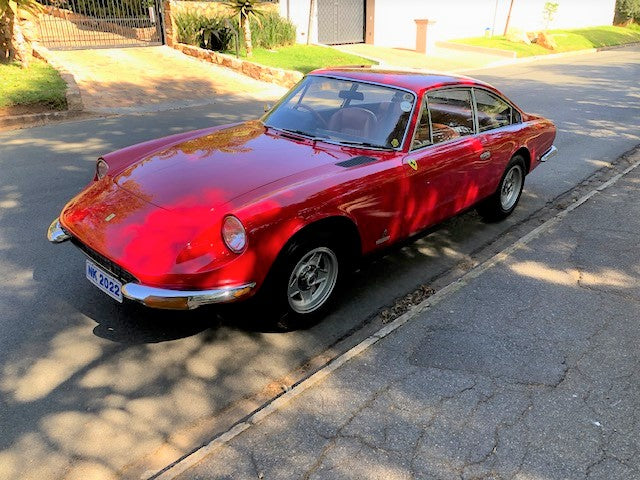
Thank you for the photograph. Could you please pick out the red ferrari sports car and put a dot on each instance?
(350, 161)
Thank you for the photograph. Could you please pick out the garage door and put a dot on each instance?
(340, 21)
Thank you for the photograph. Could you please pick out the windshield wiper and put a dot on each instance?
(302, 133)
(364, 144)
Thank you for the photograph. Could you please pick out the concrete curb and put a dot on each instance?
(180, 466)
(463, 47)
(550, 56)
(35, 119)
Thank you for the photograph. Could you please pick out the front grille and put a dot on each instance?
(113, 268)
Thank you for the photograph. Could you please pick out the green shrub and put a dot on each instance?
(627, 10)
(217, 32)
(188, 25)
(273, 31)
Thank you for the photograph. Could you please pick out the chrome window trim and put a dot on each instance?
(426, 99)
(423, 104)
(500, 97)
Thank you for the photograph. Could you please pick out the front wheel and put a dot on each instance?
(505, 199)
(312, 280)
(304, 281)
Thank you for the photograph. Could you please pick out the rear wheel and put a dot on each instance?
(505, 199)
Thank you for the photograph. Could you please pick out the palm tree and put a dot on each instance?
(245, 10)
(13, 45)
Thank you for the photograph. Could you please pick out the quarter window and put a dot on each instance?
(493, 112)
(422, 137)
(451, 114)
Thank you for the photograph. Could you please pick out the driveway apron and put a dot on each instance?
(145, 79)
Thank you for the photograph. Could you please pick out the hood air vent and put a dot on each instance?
(352, 162)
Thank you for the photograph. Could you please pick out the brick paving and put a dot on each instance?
(143, 79)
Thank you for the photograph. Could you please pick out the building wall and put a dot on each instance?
(298, 12)
(395, 27)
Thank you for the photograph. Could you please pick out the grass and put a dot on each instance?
(39, 84)
(305, 58)
(567, 40)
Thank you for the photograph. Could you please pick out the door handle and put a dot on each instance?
(485, 155)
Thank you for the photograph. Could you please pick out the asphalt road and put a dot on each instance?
(90, 386)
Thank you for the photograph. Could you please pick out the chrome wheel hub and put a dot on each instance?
(312, 280)
(511, 186)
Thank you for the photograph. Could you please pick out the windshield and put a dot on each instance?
(345, 111)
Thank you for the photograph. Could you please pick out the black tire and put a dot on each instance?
(506, 197)
(289, 311)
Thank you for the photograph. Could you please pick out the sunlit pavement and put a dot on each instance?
(147, 79)
(530, 371)
(93, 390)
(438, 59)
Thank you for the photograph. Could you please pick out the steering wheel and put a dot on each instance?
(315, 114)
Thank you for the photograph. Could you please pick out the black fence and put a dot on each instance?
(73, 24)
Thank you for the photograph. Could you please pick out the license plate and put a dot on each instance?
(105, 282)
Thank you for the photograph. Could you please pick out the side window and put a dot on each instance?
(493, 112)
(451, 114)
(422, 136)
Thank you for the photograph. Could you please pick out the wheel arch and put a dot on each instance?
(335, 224)
(524, 153)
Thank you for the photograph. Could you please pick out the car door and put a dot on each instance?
(443, 158)
(498, 125)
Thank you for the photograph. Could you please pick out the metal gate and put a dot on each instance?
(71, 24)
(341, 21)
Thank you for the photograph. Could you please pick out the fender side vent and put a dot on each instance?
(352, 162)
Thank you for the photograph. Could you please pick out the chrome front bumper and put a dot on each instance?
(552, 152)
(57, 234)
(164, 298)
(183, 299)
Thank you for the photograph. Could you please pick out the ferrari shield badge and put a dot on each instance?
(413, 164)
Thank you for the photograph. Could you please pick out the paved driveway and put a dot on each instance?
(144, 79)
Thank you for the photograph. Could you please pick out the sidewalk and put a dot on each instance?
(439, 58)
(529, 370)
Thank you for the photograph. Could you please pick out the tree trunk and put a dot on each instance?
(6, 33)
(22, 49)
(14, 45)
(246, 27)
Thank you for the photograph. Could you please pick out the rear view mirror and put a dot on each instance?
(351, 95)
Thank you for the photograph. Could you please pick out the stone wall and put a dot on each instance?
(286, 78)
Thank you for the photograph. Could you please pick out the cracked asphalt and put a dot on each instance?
(530, 371)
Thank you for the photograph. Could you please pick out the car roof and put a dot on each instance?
(409, 79)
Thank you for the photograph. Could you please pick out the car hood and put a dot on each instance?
(214, 168)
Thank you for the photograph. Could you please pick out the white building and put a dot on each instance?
(391, 23)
